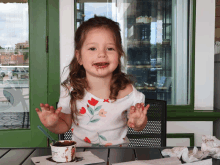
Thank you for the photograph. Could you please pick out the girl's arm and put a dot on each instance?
(63, 125)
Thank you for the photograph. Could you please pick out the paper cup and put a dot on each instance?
(63, 151)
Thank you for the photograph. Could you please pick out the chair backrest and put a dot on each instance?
(153, 135)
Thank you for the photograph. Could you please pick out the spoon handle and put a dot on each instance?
(45, 133)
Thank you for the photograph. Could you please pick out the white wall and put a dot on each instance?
(204, 54)
(197, 127)
(66, 34)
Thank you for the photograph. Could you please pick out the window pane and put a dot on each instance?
(155, 40)
(14, 65)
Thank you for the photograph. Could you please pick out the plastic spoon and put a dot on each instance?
(47, 135)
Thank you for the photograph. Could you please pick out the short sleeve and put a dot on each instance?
(138, 97)
(64, 101)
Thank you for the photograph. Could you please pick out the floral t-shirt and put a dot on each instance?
(101, 121)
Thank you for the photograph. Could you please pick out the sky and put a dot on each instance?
(14, 20)
(101, 9)
(13, 24)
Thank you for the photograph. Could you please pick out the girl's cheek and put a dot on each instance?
(116, 61)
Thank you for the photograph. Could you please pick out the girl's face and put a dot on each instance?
(99, 55)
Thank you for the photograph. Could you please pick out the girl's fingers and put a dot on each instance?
(52, 108)
(47, 105)
(38, 111)
(132, 109)
(131, 125)
(131, 122)
(139, 110)
(41, 105)
(140, 107)
(137, 105)
(146, 108)
(58, 110)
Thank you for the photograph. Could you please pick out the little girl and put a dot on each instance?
(96, 95)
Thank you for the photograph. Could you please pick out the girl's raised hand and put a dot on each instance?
(137, 116)
(48, 115)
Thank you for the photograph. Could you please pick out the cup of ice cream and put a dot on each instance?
(63, 151)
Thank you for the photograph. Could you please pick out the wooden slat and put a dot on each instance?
(42, 152)
(121, 155)
(79, 149)
(15, 156)
(101, 153)
(148, 153)
(36, 153)
(3, 151)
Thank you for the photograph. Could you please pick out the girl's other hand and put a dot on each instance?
(137, 116)
(48, 115)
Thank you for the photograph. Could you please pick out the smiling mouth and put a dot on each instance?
(101, 64)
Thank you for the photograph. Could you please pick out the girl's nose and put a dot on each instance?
(102, 53)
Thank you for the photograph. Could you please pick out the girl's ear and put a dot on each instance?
(78, 57)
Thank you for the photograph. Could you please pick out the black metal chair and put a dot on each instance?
(153, 135)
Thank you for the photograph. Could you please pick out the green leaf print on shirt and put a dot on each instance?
(102, 137)
(90, 110)
(96, 111)
(98, 141)
(96, 145)
(98, 108)
(94, 121)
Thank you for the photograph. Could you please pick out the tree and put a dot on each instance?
(25, 55)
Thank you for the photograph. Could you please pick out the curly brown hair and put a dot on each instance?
(76, 79)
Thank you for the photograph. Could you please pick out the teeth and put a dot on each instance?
(101, 64)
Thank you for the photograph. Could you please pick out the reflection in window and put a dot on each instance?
(155, 43)
(14, 65)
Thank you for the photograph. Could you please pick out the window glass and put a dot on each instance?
(156, 42)
(14, 65)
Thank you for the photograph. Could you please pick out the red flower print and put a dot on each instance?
(106, 100)
(93, 102)
(87, 140)
(72, 129)
(82, 110)
(77, 123)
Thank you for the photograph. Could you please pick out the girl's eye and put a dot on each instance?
(92, 48)
(111, 49)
